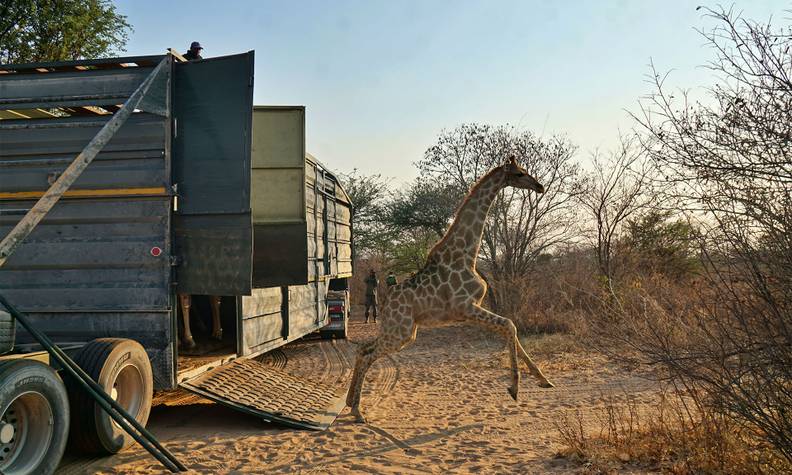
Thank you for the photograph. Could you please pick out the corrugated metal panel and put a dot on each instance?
(33, 154)
(328, 224)
(91, 255)
(296, 240)
(68, 136)
(279, 256)
(94, 87)
(264, 315)
(262, 319)
(214, 236)
(278, 165)
(307, 308)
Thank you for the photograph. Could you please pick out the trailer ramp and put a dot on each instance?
(270, 393)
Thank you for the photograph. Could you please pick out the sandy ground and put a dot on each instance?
(439, 406)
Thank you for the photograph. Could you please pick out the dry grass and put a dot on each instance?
(677, 436)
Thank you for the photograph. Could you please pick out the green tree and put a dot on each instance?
(369, 195)
(57, 30)
(425, 206)
(661, 244)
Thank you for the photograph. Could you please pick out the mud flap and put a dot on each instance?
(272, 394)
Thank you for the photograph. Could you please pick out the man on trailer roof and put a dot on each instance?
(195, 51)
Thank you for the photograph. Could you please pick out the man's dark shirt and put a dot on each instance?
(190, 56)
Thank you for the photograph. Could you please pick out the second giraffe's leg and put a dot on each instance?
(535, 371)
(506, 329)
(186, 300)
(217, 329)
(367, 354)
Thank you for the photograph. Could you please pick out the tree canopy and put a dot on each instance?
(60, 30)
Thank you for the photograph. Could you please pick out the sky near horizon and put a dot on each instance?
(381, 79)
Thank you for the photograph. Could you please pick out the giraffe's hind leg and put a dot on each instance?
(535, 371)
(504, 327)
(367, 354)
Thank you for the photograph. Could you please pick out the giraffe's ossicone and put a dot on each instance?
(448, 288)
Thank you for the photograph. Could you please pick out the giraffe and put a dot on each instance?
(448, 288)
(185, 300)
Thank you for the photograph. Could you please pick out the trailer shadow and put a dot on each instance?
(179, 428)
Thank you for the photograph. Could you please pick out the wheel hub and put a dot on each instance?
(6, 432)
(26, 429)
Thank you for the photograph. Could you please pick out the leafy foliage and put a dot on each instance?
(55, 30)
(424, 206)
(663, 245)
(369, 195)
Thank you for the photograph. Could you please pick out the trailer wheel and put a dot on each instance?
(34, 418)
(122, 369)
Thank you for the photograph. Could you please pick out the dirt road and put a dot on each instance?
(439, 406)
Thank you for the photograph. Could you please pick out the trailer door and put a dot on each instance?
(212, 104)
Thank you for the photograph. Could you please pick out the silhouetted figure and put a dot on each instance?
(195, 52)
(371, 294)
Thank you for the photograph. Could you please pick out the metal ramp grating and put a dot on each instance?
(270, 393)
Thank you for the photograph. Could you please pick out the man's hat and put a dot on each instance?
(195, 45)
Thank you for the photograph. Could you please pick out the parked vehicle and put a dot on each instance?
(338, 309)
(197, 193)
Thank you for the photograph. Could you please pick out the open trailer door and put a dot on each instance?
(212, 113)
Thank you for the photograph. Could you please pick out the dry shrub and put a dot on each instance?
(678, 435)
(553, 298)
(719, 339)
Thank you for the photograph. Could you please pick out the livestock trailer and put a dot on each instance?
(197, 193)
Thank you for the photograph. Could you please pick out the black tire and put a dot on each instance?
(34, 418)
(116, 364)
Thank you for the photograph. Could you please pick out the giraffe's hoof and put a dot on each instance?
(188, 343)
(546, 384)
(513, 393)
(358, 416)
(218, 335)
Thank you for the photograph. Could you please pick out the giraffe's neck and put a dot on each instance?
(465, 232)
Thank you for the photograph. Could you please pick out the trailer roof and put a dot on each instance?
(80, 64)
(8, 71)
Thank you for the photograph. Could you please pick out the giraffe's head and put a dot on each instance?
(518, 177)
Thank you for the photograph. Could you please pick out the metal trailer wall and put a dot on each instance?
(272, 226)
(328, 223)
(301, 233)
(277, 315)
(88, 270)
(301, 215)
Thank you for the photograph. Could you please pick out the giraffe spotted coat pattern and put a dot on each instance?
(448, 288)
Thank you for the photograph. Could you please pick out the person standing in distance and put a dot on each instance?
(195, 51)
(371, 294)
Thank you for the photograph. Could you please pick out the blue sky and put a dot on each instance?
(381, 79)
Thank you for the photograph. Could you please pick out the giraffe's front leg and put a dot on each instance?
(504, 327)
